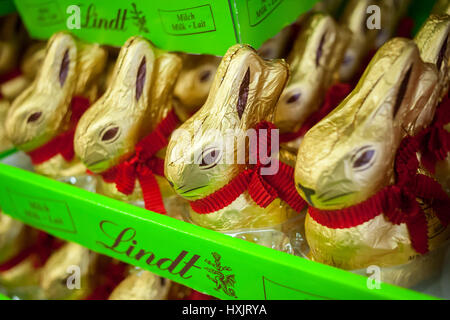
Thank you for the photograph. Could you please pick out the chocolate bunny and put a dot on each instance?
(41, 120)
(141, 285)
(194, 82)
(9, 90)
(365, 40)
(55, 275)
(433, 42)
(138, 100)
(314, 63)
(346, 162)
(201, 160)
(14, 237)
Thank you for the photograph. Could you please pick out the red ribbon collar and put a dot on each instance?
(143, 165)
(435, 140)
(398, 202)
(263, 189)
(63, 143)
(333, 97)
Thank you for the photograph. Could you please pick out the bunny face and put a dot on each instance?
(349, 155)
(314, 60)
(202, 154)
(56, 278)
(109, 130)
(194, 81)
(36, 115)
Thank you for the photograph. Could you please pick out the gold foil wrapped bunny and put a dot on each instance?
(193, 83)
(42, 119)
(314, 63)
(433, 42)
(12, 37)
(142, 285)
(365, 39)
(14, 237)
(347, 159)
(202, 158)
(9, 90)
(133, 107)
(72, 272)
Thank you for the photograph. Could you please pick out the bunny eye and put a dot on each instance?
(205, 75)
(294, 98)
(110, 135)
(162, 281)
(363, 158)
(209, 158)
(34, 117)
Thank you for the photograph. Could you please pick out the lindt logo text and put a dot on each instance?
(124, 242)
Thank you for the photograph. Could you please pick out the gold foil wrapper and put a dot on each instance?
(14, 237)
(441, 7)
(56, 280)
(349, 155)
(138, 99)
(42, 111)
(193, 83)
(12, 39)
(314, 63)
(142, 285)
(21, 279)
(222, 116)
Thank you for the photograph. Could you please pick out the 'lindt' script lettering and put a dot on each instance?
(124, 242)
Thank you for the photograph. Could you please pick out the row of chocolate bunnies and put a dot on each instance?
(363, 171)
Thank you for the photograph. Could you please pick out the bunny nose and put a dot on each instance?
(308, 193)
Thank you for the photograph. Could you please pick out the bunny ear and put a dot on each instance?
(64, 68)
(442, 53)
(140, 78)
(402, 91)
(243, 94)
(59, 64)
(134, 68)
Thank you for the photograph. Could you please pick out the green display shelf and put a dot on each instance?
(7, 7)
(175, 249)
(196, 26)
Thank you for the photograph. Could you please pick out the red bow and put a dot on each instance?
(435, 140)
(333, 98)
(63, 143)
(263, 189)
(398, 202)
(143, 165)
(110, 278)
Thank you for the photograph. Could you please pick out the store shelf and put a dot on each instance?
(178, 25)
(256, 272)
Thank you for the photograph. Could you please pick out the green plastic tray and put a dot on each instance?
(175, 249)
